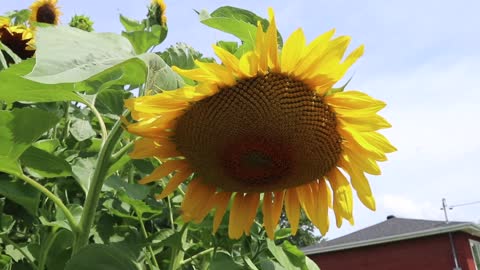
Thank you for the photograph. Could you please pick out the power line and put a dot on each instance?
(463, 204)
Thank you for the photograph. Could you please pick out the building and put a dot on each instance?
(400, 244)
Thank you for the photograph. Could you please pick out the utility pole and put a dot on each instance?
(450, 236)
(444, 208)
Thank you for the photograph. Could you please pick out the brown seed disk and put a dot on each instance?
(46, 14)
(265, 133)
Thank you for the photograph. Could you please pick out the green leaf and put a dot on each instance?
(246, 32)
(181, 55)
(21, 193)
(44, 163)
(131, 24)
(239, 22)
(9, 53)
(110, 101)
(270, 265)
(131, 72)
(283, 233)
(230, 46)
(18, 130)
(48, 145)
(82, 169)
(65, 54)
(141, 40)
(60, 250)
(101, 257)
(294, 254)
(280, 255)
(310, 264)
(81, 129)
(223, 260)
(16, 88)
(241, 15)
(160, 75)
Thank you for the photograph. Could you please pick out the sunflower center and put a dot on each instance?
(46, 14)
(265, 133)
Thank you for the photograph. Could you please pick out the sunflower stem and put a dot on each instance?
(97, 114)
(93, 195)
(151, 258)
(206, 251)
(177, 254)
(57, 201)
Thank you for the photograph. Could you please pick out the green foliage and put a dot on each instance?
(305, 235)
(65, 173)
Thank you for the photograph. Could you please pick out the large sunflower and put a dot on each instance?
(45, 11)
(265, 126)
(17, 38)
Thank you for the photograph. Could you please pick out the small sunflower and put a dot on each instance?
(45, 11)
(157, 12)
(19, 39)
(265, 127)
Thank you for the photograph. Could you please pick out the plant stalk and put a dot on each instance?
(71, 220)
(93, 195)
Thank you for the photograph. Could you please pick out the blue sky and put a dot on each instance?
(422, 58)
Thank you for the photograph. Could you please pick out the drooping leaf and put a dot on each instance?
(66, 54)
(21, 193)
(16, 88)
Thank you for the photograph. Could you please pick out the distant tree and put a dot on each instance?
(305, 235)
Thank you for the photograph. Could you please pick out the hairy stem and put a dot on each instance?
(93, 195)
(206, 251)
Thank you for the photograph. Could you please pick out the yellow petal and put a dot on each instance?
(237, 217)
(379, 141)
(359, 183)
(354, 100)
(196, 197)
(357, 143)
(272, 208)
(312, 53)
(366, 164)
(251, 201)
(342, 196)
(228, 59)
(364, 124)
(221, 203)
(306, 199)
(249, 64)
(223, 76)
(261, 50)
(292, 209)
(163, 170)
(146, 147)
(322, 221)
(174, 182)
(271, 41)
(292, 51)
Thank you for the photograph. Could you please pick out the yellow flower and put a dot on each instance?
(157, 12)
(265, 126)
(45, 11)
(19, 39)
(4, 21)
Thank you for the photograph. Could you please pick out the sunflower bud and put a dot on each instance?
(156, 13)
(82, 22)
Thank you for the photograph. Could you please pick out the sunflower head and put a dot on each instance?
(266, 129)
(82, 22)
(45, 11)
(19, 39)
(156, 13)
(4, 21)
